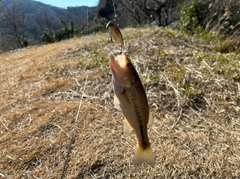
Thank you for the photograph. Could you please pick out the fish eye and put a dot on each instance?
(129, 64)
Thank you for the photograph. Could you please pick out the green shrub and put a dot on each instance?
(46, 38)
(192, 16)
(234, 7)
(61, 34)
(65, 32)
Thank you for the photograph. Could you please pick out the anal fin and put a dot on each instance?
(127, 127)
(116, 101)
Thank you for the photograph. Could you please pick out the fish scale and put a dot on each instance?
(138, 117)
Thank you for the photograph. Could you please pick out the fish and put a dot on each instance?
(115, 33)
(131, 97)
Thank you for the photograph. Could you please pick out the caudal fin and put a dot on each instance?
(144, 155)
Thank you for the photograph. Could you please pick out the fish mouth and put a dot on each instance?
(117, 66)
(122, 74)
(117, 63)
(113, 65)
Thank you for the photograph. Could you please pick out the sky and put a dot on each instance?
(65, 4)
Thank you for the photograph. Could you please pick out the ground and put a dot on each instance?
(53, 93)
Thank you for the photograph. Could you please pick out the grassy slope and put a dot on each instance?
(194, 94)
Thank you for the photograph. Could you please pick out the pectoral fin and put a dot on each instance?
(127, 128)
(150, 119)
(125, 95)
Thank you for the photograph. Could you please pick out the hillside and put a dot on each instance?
(193, 92)
(29, 19)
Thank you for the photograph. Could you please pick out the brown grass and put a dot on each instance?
(194, 94)
(230, 45)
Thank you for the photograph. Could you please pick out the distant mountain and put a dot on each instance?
(31, 18)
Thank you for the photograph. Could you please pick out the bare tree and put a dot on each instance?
(47, 23)
(17, 22)
(133, 7)
(163, 10)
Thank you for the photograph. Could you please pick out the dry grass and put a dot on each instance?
(194, 94)
(230, 45)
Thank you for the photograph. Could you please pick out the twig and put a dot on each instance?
(4, 125)
(174, 89)
(155, 130)
(178, 119)
(77, 81)
(2, 174)
(61, 129)
(73, 131)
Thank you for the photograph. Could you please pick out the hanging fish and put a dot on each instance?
(115, 33)
(131, 97)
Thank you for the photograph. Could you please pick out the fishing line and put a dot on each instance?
(73, 131)
(87, 18)
(115, 13)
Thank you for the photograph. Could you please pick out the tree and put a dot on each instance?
(134, 9)
(107, 11)
(222, 17)
(158, 12)
(17, 22)
(46, 38)
(61, 34)
(163, 10)
(47, 23)
(65, 32)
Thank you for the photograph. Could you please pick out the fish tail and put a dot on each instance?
(144, 155)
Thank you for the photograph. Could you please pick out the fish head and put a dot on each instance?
(109, 24)
(124, 73)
